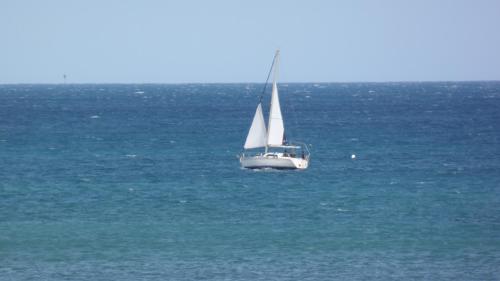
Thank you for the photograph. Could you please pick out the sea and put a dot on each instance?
(142, 182)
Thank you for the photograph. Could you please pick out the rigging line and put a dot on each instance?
(267, 80)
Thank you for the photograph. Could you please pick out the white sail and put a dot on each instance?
(257, 133)
(276, 127)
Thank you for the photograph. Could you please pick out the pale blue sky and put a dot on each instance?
(124, 41)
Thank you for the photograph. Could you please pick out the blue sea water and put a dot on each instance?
(141, 182)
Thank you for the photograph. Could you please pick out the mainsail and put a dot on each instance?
(276, 127)
(257, 133)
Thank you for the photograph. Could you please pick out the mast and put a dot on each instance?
(275, 67)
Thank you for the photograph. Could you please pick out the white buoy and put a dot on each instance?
(353, 156)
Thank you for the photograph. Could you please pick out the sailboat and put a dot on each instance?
(278, 153)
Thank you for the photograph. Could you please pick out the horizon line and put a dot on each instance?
(283, 82)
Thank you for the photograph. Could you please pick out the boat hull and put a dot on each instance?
(282, 162)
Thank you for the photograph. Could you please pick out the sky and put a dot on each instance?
(148, 41)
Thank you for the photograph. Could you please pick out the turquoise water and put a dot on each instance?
(141, 182)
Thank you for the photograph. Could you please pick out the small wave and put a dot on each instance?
(95, 117)
(269, 170)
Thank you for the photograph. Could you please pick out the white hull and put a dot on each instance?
(273, 161)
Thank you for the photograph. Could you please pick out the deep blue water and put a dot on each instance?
(141, 182)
